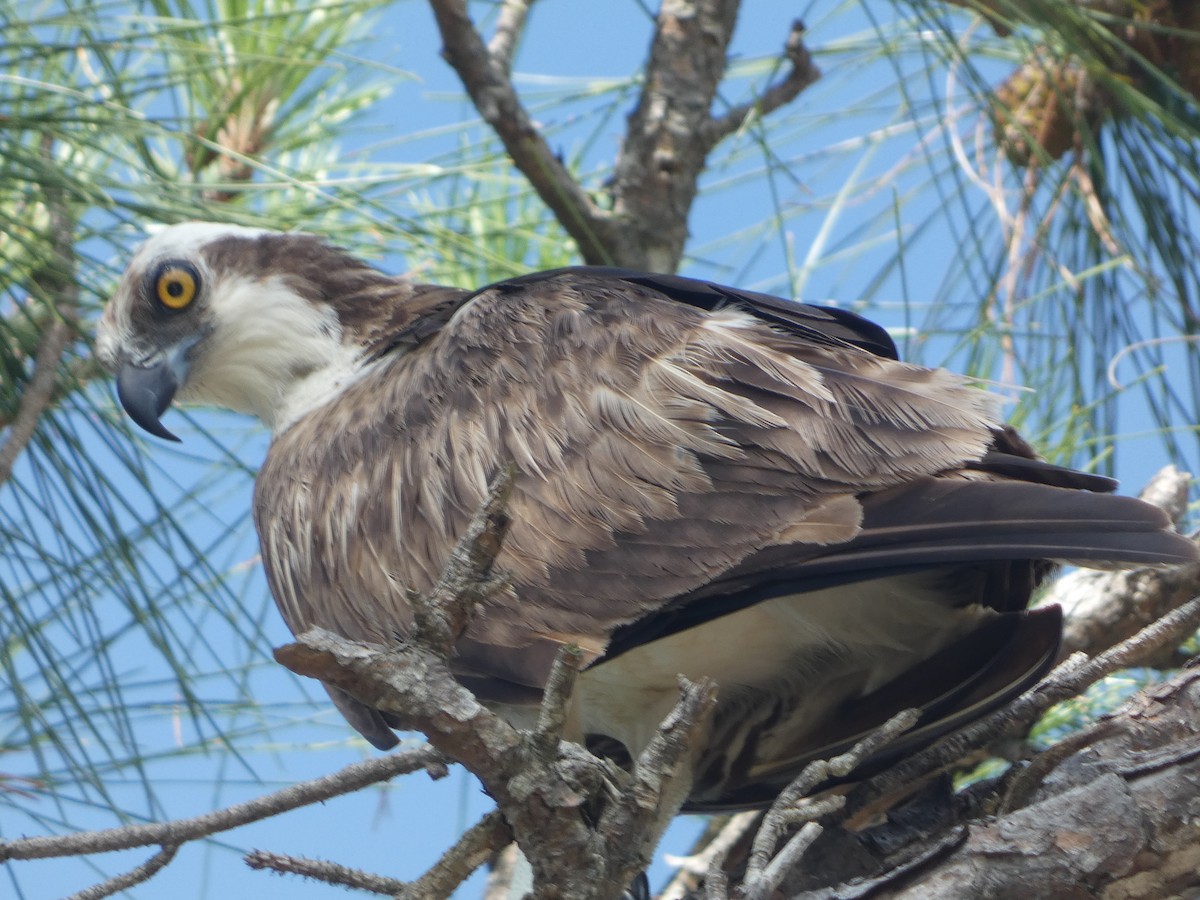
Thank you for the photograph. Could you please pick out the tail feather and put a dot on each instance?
(934, 520)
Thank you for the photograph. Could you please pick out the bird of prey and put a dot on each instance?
(709, 482)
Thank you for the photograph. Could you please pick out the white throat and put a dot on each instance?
(272, 353)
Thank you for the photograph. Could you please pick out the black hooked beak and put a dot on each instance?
(145, 392)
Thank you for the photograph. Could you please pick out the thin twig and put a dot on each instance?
(144, 872)
(509, 27)
(37, 395)
(783, 862)
(179, 831)
(325, 871)
(440, 618)
(496, 99)
(802, 73)
(885, 734)
(556, 697)
(789, 806)
(771, 830)
(1021, 784)
(457, 864)
(711, 854)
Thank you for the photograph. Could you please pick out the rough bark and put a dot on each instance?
(1118, 818)
(639, 220)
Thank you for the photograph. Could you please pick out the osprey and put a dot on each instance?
(710, 482)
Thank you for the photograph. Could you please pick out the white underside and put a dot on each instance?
(821, 647)
(274, 354)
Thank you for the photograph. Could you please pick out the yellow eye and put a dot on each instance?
(176, 285)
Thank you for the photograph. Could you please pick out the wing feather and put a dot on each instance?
(674, 440)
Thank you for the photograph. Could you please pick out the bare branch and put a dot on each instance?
(37, 395)
(471, 851)
(540, 794)
(347, 780)
(764, 885)
(712, 848)
(791, 805)
(670, 134)
(77, 372)
(788, 809)
(510, 25)
(440, 619)
(1021, 784)
(663, 776)
(144, 872)
(500, 879)
(415, 685)
(325, 871)
(490, 89)
(556, 698)
(716, 883)
(1116, 816)
(803, 72)
(56, 279)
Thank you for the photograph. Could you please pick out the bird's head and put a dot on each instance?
(255, 321)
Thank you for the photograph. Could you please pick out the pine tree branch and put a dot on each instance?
(670, 134)
(1116, 816)
(509, 28)
(37, 396)
(657, 173)
(486, 79)
(801, 74)
(472, 850)
(55, 280)
(179, 831)
(126, 880)
(540, 793)
(708, 853)
(326, 872)
(767, 868)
